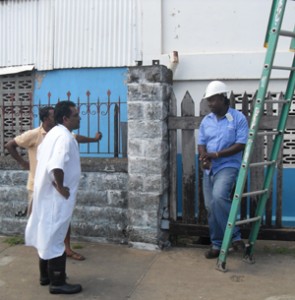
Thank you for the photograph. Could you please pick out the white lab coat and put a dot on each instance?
(51, 214)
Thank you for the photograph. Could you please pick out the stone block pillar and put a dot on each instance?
(149, 90)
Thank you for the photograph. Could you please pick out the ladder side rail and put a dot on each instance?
(292, 44)
(270, 21)
(246, 111)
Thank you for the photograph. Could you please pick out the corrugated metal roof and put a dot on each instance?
(18, 21)
(45, 34)
(55, 34)
(100, 33)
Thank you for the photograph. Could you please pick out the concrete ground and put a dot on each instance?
(117, 272)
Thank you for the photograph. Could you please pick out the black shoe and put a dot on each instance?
(57, 276)
(238, 245)
(65, 289)
(43, 270)
(44, 280)
(212, 253)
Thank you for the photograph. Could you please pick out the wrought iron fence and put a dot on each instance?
(18, 115)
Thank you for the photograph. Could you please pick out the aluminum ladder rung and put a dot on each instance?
(276, 101)
(255, 193)
(283, 68)
(268, 133)
(287, 33)
(263, 163)
(250, 220)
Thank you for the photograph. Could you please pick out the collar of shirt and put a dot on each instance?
(228, 115)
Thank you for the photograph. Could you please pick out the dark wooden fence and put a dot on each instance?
(184, 128)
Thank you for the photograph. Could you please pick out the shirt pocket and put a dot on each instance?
(231, 135)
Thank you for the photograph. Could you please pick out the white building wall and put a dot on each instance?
(219, 39)
(215, 39)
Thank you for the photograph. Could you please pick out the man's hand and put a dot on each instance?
(209, 155)
(98, 136)
(205, 163)
(85, 139)
(63, 190)
(205, 159)
(25, 165)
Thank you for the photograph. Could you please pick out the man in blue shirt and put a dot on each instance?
(222, 137)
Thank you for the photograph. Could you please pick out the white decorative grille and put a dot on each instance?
(15, 105)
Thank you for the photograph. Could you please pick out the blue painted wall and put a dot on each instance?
(289, 197)
(78, 81)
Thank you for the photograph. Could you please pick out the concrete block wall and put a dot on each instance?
(149, 90)
(119, 200)
(13, 198)
(101, 207)
(100, 211)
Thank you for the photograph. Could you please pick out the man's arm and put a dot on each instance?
(11, 146)
(59, 183)
(202, 151)
(85, 139)
(233, 149)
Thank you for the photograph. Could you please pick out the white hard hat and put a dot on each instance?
(215, 88)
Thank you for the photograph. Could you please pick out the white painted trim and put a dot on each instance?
(14, 70)
(207, 66)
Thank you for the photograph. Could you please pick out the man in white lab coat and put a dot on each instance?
(56, 184)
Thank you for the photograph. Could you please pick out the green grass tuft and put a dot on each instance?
(14, 240)
(77, 246)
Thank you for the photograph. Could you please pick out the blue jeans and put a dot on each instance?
(217, 191)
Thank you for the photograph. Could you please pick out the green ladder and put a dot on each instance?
(273, 33)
